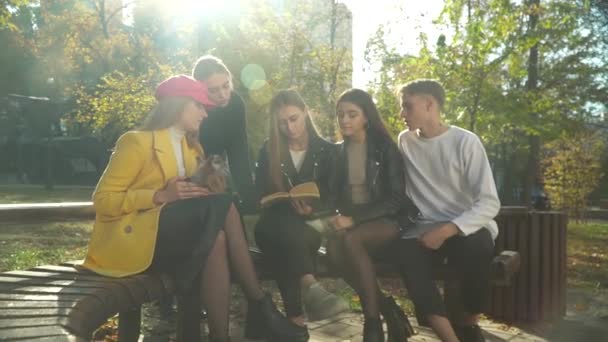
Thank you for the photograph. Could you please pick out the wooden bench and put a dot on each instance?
(65, 303)
(505, 266)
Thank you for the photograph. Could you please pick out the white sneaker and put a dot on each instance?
(320, 304)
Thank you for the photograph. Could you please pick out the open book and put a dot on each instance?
(304, 191)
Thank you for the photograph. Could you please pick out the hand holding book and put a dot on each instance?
(301, 207)
(303, 192)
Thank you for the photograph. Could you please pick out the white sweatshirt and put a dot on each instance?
(449, 178)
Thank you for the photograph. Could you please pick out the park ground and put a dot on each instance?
(27, 245)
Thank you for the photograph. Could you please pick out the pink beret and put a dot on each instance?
(184, 86)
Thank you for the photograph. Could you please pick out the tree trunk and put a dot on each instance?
(532, 86)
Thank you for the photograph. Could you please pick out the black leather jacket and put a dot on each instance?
(385, 181)
(315, 167)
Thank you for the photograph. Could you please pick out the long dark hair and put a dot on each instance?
(376, 128)
(277, 140)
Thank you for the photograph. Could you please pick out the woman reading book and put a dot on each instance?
(293, 155)
(149, 217)
(369, 189)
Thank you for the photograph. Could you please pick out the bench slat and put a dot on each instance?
(66, 338)
(131, 284)
(22, 304)
(104, 299)
(28, 333)
(65, 269)
(31, 322)
(36, 312)
(55, 275)
(52, 282)
(40, 297)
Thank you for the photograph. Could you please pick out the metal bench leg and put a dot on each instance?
(128, 325)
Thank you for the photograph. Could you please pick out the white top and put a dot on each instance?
(449, 178)
(298, 158)
(177, 135)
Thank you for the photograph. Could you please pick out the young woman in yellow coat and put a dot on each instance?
(150, 217)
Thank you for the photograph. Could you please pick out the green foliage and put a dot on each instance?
(572, 170)
(294, 47)
(483, 64)
(119, 103)
(7, 9)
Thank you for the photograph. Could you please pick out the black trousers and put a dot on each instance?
(187, 230)
(471, 255)
(290, 246)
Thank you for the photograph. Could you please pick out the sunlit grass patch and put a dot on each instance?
(24, 246)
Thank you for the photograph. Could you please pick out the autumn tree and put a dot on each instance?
(572, 169)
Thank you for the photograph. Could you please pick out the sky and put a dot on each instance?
(406, 19)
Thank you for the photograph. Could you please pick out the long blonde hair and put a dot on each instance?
(166, 113)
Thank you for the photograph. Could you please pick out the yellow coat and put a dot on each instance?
(126, 220)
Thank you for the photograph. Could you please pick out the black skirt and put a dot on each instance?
(187, 230)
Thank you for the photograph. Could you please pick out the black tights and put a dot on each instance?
(229, 252)
(349, 252)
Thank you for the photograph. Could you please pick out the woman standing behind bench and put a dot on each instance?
(150, 217)
(294, 154)
(369, 185)
(225, 131)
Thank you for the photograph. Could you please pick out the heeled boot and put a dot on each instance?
(372, 330)
(397, 325)
(265, 321)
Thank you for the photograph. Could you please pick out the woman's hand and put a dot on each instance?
(342, 223)
(179, 188)
(301, 207)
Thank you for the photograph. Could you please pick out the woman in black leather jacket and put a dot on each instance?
(368, 188)
(294, 154)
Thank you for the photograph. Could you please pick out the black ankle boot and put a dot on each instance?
(372, 330)
(397, 324)
(264, 321)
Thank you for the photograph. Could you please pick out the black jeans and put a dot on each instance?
(471, 255)
(290, 246)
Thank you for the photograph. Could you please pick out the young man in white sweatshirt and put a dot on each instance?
(448, 177)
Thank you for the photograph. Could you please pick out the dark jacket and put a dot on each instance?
(315, 167)
(385, 181)
(224, 132)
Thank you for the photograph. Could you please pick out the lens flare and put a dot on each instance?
(253, 76)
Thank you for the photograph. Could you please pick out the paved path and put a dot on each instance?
(348, 327)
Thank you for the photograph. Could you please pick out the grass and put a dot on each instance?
(24, 246)
(588, 255)
(11, 194)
